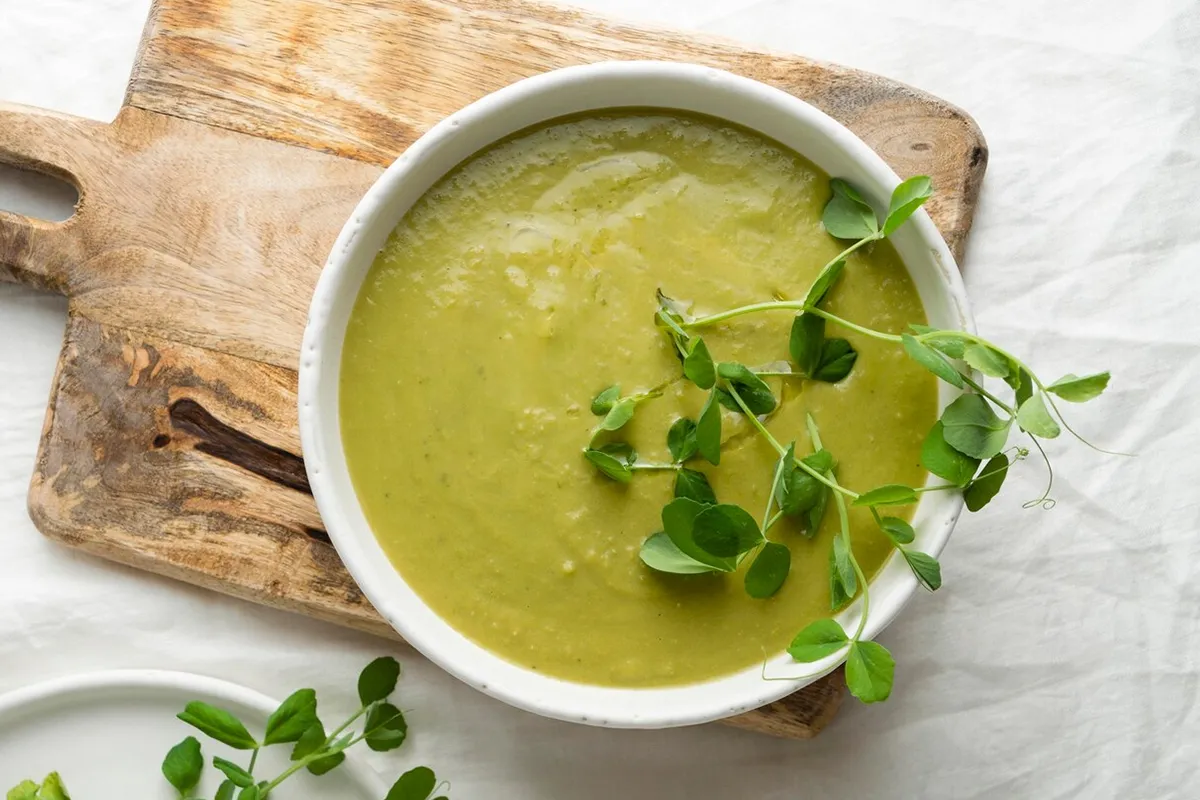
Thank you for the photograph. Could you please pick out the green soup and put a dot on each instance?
(524, 282)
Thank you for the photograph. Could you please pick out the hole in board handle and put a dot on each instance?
(33, 194)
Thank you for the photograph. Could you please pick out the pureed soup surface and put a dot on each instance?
(522, 284)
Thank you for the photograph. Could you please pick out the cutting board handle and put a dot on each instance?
(34, 251)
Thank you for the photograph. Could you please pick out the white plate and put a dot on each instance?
(107, 733)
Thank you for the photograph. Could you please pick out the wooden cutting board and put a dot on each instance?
(249, 131)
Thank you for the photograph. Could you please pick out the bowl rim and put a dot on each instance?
(403, 609)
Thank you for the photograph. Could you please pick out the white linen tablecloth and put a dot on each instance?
(1062, 656)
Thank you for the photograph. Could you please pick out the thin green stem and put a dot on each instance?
(844, 519)
(771, 495)
(1045, 501)
(969, 381)
(253, 760)
(329, 739)
(671, 467)
(762, 429)
(771, 522)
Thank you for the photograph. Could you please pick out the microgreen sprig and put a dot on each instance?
(294, 723)
(967, 446)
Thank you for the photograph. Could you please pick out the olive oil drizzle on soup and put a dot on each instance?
(524, 282)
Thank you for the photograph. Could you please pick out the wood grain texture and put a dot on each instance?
(250, 130)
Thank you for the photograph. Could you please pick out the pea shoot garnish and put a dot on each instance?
(967, 448)
(295, 724)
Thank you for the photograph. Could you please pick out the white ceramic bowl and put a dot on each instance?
(576, 89)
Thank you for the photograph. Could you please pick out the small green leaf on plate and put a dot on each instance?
(842, 572)
(603, 402)
(971, 427)
(183, 765)
(725, 530)
(870, 671)
(609, 465)
(768, 571)
(805, 343)
(620, 413)
(892, 494)
(660, 553)
(225, 790)
(681, 439)
(678, 519)
(899, 531)
(25, 790)
(378, 680)
(385, 728)
(698, 366)
(1075, 389)
(942, 460)
(952, 343)
(931, 360)
(987, 361)
(819, 640)
(237, 775)
(708, 430)
(416, 784)
(837, 359)
(1033, 417)
(292, 718)
(925, 567)
(752, 389)
(824, 282)
(694, 485)
(847, 215)
(980, 491)
(219, 724)
(1021, 383)
(310, 741)
(906, 199)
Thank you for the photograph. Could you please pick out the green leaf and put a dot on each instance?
(233, 772)
(1022, 383)
(620, 413)
(725, 530)
(660, 553)
(378, 680)
(842, 576)
(620, 451)
(931, 360)
(292, 718)
(870, 671)
(847, 215)
(416, 784)
(25, 790)
(752, 389)
(906, 199)
(816, 514)
(971, 427)
(892, 494)
(799, 492)
(819, 640)
(698, 366)
(708, 430)
(386, 729)
(183, 765)
(768, 571)
(225, 791)
(942, 460)
(53, 788)
(327, 764)
(837, 359)
(219, 724)
(603, 402)
(250, 793)
(610, 465)
(694, 485)
(821, 461)
(981, 491)
(681, 440)
(824, 282)
(952, 343)
(1075, 389)
(987, 361)
(925, 567)
(679, 519)
(1034, 417)
(310, 741)
(899, 531)
(805, 343)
